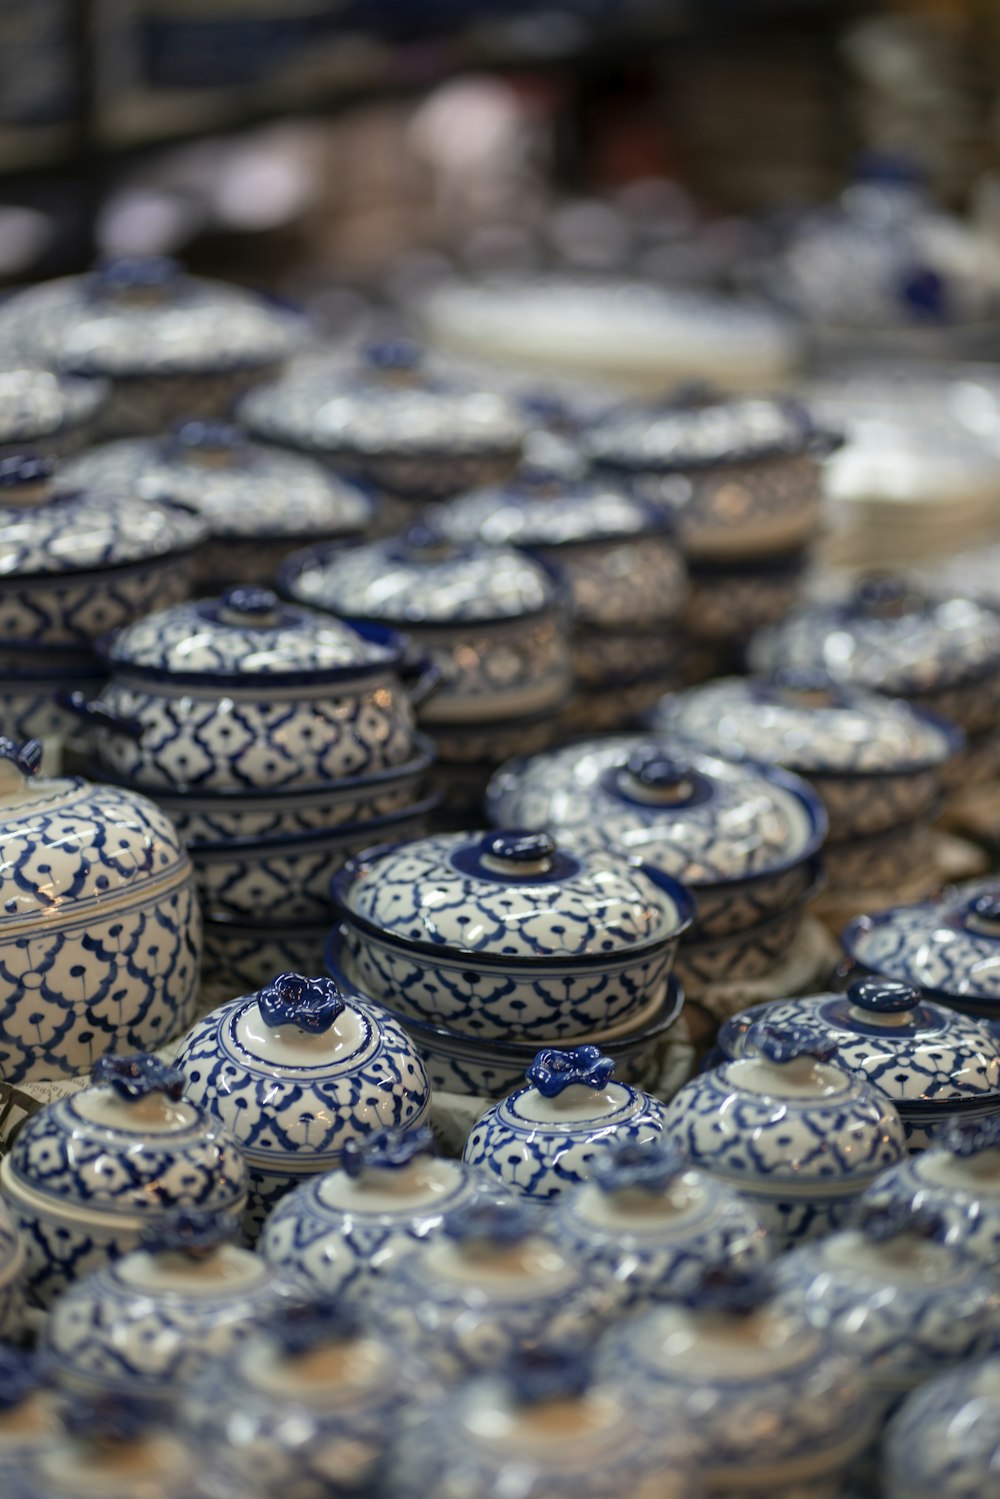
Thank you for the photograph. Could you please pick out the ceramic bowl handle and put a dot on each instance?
(786, 1043)
(883, 996)
(195, 1233)
(138, 1076)
(20, 1375)
(97, 716)
(538, 1375)
(25, 758)
(969, 1137)
(310, 1004)
(553, 1070)
(422, 678)
(649, 1168)
(299, 1329)
(389, 1150)
(497, 1222)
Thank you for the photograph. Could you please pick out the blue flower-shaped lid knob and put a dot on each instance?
(536, 1376)
(729, 1290)
(553, 1071)
(651, 1168)
(969, 1137)
(882, 1221)
(298, 1329)
(782, 1044)
(309, 1004)
(194, 1232)
(20, 1376)
(136, 278)
(249, 605)
(492, 1223)
(878, 996)
(389, 1150)
(983, 913)
(138, 1076)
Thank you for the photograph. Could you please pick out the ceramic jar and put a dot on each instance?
(944, 1441)
(29, 1419)
(12, 1274)
(392, 419)
(75, 563)
(887, 1292)
(933, 1064)
(88, 1172)
(295, 1071)
(100, 936)
(244, 692)
(799, 1136)
(547, 1137)
(508, 935)
(45, 413)
(341, 1234)
(166, 342)
(258, 503)
(775, 1407)
(649, 1227)
(491, 619)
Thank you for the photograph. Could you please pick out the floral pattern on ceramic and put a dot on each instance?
(47, 413)
(740, 837)
(800, 1137)
(725, 605)
(296, 1071)
(944, 1441)
(508, 935)
(88, 1172)
(12, 1276)
(246, 955)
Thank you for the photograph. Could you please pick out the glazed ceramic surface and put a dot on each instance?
(879, 863)
(800, 1136)
(12, 1275)
(341, 1234)
(741, 956)
(508, 935)
(741, 837)
(88, 1172)
(29, 1419)
(100, 936)
(46, 413)
(297, 1070)
(944, 1441)
(245, 956)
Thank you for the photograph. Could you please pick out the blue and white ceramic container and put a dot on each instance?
(100, 935)
(29, 1417)
(802, 1138)
(88, 1173)
(495, 1283)
(341, 1234)
(743, 838)
(776, 1407)
(244, 692)
(148, 1324)
(934, 1064)
(245, 956)
(297, 1070)
(551, 1135)
(508, 935)
(944, 1441)
(649, 1226)
(46, 413)
(888, 1292)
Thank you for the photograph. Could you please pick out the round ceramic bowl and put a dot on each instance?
(505, 935)
(741, 956)
(12, 1276)
(944, 1441)
(46, 413)
(725, 605)
(881, 863)
(240, 957)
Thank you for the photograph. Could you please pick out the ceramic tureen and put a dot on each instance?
(12, 1274)
(800, 1136)
(100, 937)
(944, 1441)
(297, 1070)
(88, 1172)
(342, 1233)
(548, 1136)
(47, 413)
(508, 935)
(29, 1417)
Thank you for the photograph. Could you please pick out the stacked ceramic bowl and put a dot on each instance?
(47, 413)
(280, 741)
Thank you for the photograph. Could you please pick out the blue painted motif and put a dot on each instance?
(944, 1441)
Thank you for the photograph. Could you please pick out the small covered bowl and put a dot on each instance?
(490, 618)
(649, 1226)
(549, 1136)
(934, 1064)
(297, 1070)
(340, 1234)
(508, 935)
(742, 838)
(46, 413)
(87, 1173)
(801, 1137)
(258, 503)
(944, 1440)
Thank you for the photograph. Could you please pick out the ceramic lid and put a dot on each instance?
(702, 819)
(541, 508)
(146, 317)
(809, 726)
(699, 432)
(945, 1438)
(510, 897)
(961, 1164)
(249, 637)
(51, 528)
(570, 1092)
(395, 1176)
(37, 404)
(130, 1144)
(240, 488)
(890, 1247)
(916, 1052)
(488, 1253)
(190, 1255)
(419, 578)
(885, 636)
(390, 402)
(948, 947)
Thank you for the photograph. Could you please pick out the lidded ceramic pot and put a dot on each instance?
(146, 1325)
(87, 1173)
(890, 1293)
(547, 1137)
(100, 936)
(495, 1283)
(46, 413)
(167, 342)
(944, 1441)
(386, 418)
(775, 1406)
(741, 838)
(12, 1274)
(933, 1064)
(257, 502)
(507, 934)
(801, 1137)
(29, 1418)
(76, 562)
(295, 1071)
(649, 1226)
(244, 692)
(342, 1233)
